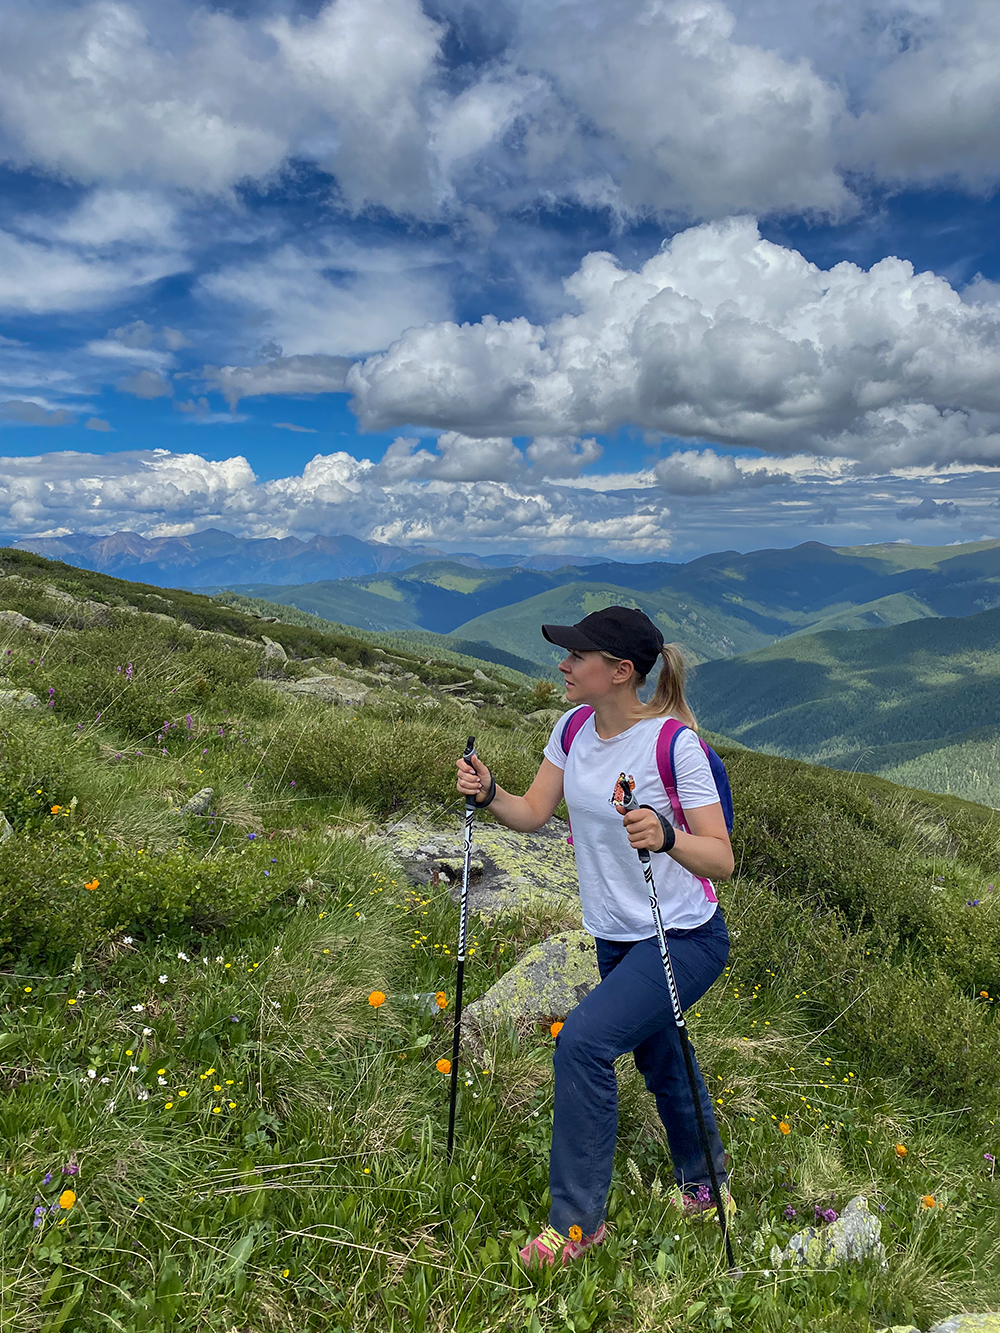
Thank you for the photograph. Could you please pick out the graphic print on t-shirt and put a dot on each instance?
(619, 797)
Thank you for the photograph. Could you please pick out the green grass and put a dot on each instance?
(300, 1181)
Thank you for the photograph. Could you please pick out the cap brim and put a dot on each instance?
(568, 636)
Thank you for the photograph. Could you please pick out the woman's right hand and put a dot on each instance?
(474, 778)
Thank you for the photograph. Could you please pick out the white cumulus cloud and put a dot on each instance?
(721, 336)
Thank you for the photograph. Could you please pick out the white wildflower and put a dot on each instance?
(142, 1095)
(162, 1082)
(133, 1069)
(138, 1008)
(146, 1032)
(183, 957)
(163, 978)
(127, 939)
(91, 1073)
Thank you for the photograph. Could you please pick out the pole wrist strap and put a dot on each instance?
(481, 805)
(669, 836)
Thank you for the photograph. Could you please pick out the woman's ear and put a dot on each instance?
(624, 672)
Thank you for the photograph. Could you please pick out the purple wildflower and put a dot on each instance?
(128, 671)
(39, 1214)
(268, 873)
(234, 1018)
(52, 690)
(291, 784)
(790, 1212)
(988, 1157)
(71, 1169)
(188, 721)
(251, 837)
(47, 1178)
(204, 753)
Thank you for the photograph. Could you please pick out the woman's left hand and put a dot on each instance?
(643, 828)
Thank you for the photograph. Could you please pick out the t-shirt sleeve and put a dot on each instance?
(553, 751)
(693, 773)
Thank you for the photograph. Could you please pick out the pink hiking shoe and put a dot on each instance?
(701, 1205)
(551, 1245)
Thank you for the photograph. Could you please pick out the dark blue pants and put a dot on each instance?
(630, 1011)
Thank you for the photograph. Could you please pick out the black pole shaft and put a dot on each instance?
(463, 917)
(630, 803)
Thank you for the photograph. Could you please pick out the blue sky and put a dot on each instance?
(646, 277)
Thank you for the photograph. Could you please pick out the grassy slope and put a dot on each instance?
(256, 1148)
(871, 699)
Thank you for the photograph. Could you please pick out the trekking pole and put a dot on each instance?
(630, 803)
(463, 916)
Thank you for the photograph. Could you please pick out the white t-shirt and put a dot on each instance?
(612, 887)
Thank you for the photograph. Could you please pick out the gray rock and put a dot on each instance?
(199, 804)
(15, 620)
(969, 1323)
(547, 982)
(158, 615)
(325, 689)
(544, 717)
(5, 828)
(19, 699)
(856, 1235)
(517, 868)
(273, 652)
(480, 675)
(900, 1328)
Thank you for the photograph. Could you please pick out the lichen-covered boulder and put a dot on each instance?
(547, 982)
(509, 870)
(970, 1323)
(273, 652)
(856, 1235)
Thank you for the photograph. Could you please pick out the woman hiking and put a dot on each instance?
(609, 655)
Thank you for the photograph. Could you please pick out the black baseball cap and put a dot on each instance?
(618, 630)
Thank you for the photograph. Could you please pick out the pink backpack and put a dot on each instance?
(665, 742)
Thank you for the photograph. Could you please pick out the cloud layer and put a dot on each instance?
(721, 336)
(687, 107)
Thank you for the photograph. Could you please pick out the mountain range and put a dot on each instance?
(213, 557)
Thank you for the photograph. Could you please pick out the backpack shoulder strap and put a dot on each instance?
(573, 724)
(665, 743)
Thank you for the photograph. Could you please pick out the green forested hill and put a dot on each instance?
(917, 702)
(719, 605)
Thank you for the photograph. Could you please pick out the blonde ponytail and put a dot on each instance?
(668, 698)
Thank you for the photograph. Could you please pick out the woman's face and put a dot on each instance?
(588, 676)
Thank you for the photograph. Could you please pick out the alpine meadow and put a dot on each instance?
(226, 1008)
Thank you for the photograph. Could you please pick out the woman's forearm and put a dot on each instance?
(708, 858)
(515, 812)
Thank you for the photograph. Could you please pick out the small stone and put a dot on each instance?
(19, 699)
(199, 804)
(480, 675)
(970, 1323)
(856, 1235)
(6, 831)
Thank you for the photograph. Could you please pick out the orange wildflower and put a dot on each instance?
(67, 1199)
(93, 884)
(376, 999)
(929, 1201)
(441, 1000)
(900, 1149)
(443, 1066)
(556, 1028)
(784, 1126)
(575, 1233)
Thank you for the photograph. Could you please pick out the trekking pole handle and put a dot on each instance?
(470, 750)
